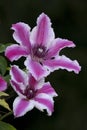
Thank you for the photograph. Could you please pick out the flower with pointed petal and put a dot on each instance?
(31, 93)
(41, 48)
(3, 84)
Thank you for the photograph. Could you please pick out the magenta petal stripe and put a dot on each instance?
(63, 63)
(17, 74)
(45, 101)
(21, 106)
(21, 34)
(57, 45)
(48, 89)
(48, 105)
(35, 84)
(43, 33)
(14, 52)
(32, 80)
(17, 87)
(35, 68)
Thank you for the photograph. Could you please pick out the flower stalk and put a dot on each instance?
(6, 115)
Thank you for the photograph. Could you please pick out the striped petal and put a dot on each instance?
(57, 45)
(48, 89)
(18, 87)
(14, 52)
(44, 101)
(42, 33)
(62, 62)
(22, 106)
(35, 68)
(22, 34)
(36, 84)
(18, 75)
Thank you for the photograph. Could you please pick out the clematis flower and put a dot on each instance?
(3, 84)
(31, 93)
(41, 48)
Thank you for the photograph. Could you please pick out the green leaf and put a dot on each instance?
(3, 46)
(3, 65)
(3, 94)
(6, 126)
(7, 78)
(4, 104)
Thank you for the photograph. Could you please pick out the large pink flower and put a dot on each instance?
(41, 48)
(3, 84)
(31, 93)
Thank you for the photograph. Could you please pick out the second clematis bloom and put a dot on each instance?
(41, 48)
(31, 93)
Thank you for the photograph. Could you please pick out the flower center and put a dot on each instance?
(39, 51)
(29, 93)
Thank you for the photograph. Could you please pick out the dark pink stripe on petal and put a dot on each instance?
(32, 81)
(18, 74)
(48, 89)
(42, 29)
(42, 33)
(63, 63)
(57, 45)
(14, 52)
(3, 84)
(35, 68)
(16, 87)
(49, 105)
(22, 34)
(21, 106)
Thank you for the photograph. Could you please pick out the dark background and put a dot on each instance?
(69, 20)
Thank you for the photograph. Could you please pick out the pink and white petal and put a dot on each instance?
(43, 33)
(31, 80)
(18, 88)
(44, 101)
(14, 52)
(22, 106)
(35, 68)
(18, 75)
(47, 89)
(22, 34)
(35, 83)
(3, 84)
(40, 84)
(57, 45)
(62, 62)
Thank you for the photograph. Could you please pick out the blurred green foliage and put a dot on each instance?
(69, 20)
(6, 126)
(3, 65)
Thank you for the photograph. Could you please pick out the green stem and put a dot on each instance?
(6, 115)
